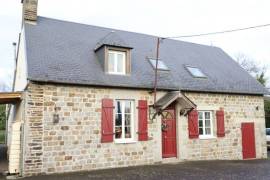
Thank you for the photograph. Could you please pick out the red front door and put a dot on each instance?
(248, 141)
(169, 133)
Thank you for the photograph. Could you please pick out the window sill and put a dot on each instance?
(115, 73)
(207, 137)
(125, 142)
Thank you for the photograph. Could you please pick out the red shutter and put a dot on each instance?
(107, 120)
(193, 124)
(220, 123)
(142, 114)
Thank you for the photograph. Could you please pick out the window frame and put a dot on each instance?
(188, 68)
(152, 61)
(206, 136)
(115, 68)
(132, 123)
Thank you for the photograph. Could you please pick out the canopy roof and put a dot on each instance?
(170, 97)
(10, 97)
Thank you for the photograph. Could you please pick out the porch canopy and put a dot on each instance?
(185, 103)
(10, 97)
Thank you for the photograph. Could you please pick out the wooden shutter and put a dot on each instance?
(107, 121)
(193, 124)
(220, 123)
(142, 114)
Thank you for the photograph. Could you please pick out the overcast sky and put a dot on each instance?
(157, 17)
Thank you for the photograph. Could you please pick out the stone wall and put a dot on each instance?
(74, 143)
(33, 130)
(238, 109)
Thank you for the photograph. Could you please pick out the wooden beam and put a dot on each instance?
(10, 97)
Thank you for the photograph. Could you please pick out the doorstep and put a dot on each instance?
(171, 160)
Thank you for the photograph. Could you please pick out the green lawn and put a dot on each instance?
(2, 136)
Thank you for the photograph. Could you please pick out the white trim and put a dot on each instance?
(206, 136)
(115, 71)
(132, 124)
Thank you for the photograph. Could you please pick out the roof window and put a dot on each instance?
(195, 72)
(161, 65)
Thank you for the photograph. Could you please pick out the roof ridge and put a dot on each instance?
(139, 33)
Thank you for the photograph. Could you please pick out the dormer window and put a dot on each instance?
(116, 62)
(114, 54)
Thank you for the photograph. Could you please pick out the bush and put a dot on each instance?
(267, 113)
(2, 117)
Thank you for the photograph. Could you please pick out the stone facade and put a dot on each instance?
(33, 130)
(74, 142)
(238, 109)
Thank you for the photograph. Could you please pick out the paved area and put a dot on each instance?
(3, 160)
(204, 170)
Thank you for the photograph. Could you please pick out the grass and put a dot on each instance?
(2, 136)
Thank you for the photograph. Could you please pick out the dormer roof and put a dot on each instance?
(112, 39)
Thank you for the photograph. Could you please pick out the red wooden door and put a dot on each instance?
(169, 133)
(248, 141)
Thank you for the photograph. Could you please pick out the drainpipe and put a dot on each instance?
(15, 65)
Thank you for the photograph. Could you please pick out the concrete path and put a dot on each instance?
(203, 170)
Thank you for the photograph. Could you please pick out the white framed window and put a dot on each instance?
(205, 124)
(116, 62)
(124, 121)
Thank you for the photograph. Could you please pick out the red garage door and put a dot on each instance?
(248, 141)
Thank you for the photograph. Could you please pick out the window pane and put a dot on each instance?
(200, 123)
(127, 119)
(127, 132)
(118, 106)
(120, 62)
(201, 131)
(111, 62)
(118, 132)
(200, 115)
(207, 115)
(118, 119)
(207, 123)
(128, 107)
(161, 64)
(207, 131)
(196, 72)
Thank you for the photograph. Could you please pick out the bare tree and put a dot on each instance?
(256, 70)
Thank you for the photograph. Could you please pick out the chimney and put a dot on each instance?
(30, 10)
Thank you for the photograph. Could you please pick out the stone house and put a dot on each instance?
(84, 99)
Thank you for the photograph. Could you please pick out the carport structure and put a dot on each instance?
(9, 150)
(10, 97)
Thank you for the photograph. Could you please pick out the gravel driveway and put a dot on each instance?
(203, 170)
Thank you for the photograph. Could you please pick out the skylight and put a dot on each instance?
(161, 65)
(195, 72)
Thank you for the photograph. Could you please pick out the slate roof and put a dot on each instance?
(63, 52)
(112, 39)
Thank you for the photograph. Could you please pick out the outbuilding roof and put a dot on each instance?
(64, 52)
